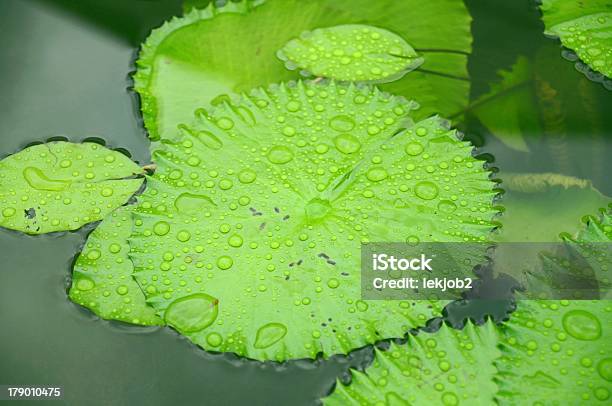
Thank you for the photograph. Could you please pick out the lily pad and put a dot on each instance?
(584, 261)
(61, 186)
(351, 52)
(550, 352)
(248, 236)
(190, 61)
(102, 275)
(449, 367)
(556, 352)
(585, 27)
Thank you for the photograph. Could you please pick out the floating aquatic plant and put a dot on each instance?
(448, 367)
(102, 274)
(61, 186)
(191, 60)
(248, 236)
(351, 52)
(550, 351)
(584, 27)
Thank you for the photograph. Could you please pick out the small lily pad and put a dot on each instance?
(102, 275)
(351, 52)
(61, 186)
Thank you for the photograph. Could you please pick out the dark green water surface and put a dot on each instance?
(64, 69)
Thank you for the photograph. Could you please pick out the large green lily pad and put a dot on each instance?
(248, 236)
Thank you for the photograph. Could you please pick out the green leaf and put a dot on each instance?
(587, 262)
(556, 352)
(248, 236)
(448, 367)
(189, 61)
(102, 275)
(61, 186)
(351, 52)
(550, 352)
(513, 96)
(584, 27)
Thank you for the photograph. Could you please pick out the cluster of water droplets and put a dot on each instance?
(586, 36)
(435, 368)
(102, 275)
(61, 186)
(558, 347)
(263, 204)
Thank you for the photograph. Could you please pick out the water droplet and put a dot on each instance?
(214, 339)
(333, 283)
(289, 131)
(94, 254)
(446, 206)
(235, 241)
(107, 192)
(225, 184)
(225, 123)
(602, 393)
(426, 190)
(293, 106)
(161, 228)
(280, 155)
(450, 399)
(361, 305)
(414, 148)
(85, 284)
(193, 161)
(247, 176)
(224, 262)
(421, 131)
(209, 140)
(316, 209)
(347, 144)
(269, 334)
(38, 180)
(122, 290)
(192, 313)
(183, 236)
(582, 325)
(321, 149)
(377, 174)
(604, 368)
(8, 212)
(342, 123)
(114, 248)
(191, 203)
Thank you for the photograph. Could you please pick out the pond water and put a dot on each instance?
(64, 72)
